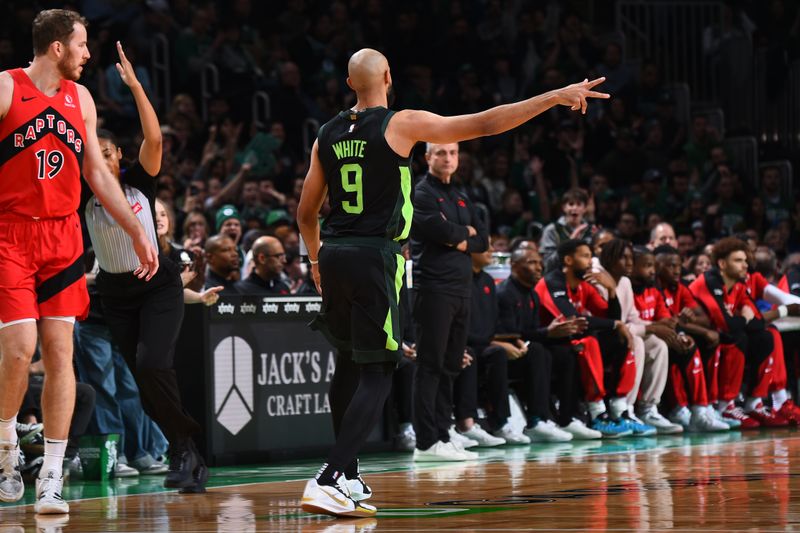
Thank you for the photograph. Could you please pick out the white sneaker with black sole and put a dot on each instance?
(48, 495)
(333, 500)
(484, 439)
(11, 486)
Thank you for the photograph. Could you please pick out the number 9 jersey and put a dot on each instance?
(41, 150)
(369, 185)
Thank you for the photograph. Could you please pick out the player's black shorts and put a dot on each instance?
(361, 280)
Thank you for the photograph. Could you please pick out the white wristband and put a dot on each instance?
(311, 261)
(783, 311)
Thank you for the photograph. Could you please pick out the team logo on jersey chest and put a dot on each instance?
(68, 101)
(44, 124)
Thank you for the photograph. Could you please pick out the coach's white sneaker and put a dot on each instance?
(462, 441)
(511, 435)
(484, 439)
(48, 495)
(580, 431)
(11, 485)
(547, 431)
(444, 451)
(652, 417)
(333, 500)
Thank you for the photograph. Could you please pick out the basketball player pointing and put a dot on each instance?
(361, 161)
(47, 137)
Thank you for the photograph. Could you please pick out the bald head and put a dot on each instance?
(367, 71)
(267, 245)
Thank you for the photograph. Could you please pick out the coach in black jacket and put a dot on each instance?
(446, 230)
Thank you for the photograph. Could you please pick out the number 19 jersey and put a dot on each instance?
(41, 150)
(369, 185)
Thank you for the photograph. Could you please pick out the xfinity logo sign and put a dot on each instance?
(233, 383)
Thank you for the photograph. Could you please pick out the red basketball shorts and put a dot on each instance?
(41, 268)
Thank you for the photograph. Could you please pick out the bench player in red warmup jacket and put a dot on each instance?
(566, 292)
(687, 379)
(744, 338)
(47, 137)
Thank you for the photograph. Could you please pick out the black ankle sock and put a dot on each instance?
(328, 475)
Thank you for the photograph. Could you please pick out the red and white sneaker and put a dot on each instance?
(737, 413)
(791, 412)
(767, 417)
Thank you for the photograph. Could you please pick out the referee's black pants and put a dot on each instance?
(442, 321)
(145, 320)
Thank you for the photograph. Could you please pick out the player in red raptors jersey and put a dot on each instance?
(47, 137)
(743, 335)
(758, 288)
(687, 376)
(607, 343)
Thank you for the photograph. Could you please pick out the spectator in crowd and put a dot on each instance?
(662, 234)
(571, 225)
(222, 260)
(269, 261)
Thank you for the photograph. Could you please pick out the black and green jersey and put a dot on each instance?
(369, 185)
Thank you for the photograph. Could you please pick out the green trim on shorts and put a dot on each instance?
(394, 281)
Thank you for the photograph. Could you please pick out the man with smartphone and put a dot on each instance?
(538, 353)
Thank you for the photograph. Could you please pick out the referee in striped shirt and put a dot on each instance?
(145, 316)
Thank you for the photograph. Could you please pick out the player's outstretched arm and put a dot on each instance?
(313, 196)
(150, 151)
(106, 187)
(409, 127)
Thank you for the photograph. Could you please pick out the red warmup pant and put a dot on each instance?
(689, 377)
(779, 378)
(590, 364)
(731, 373)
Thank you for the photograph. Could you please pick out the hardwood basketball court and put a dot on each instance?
(727, 482)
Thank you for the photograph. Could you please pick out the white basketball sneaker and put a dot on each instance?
(11, 485)
(48, 495)
(359, 490)
(581, 431)
(484, 439)
(511, 435)
(333, 500)
(547, 431)
(462, 441)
